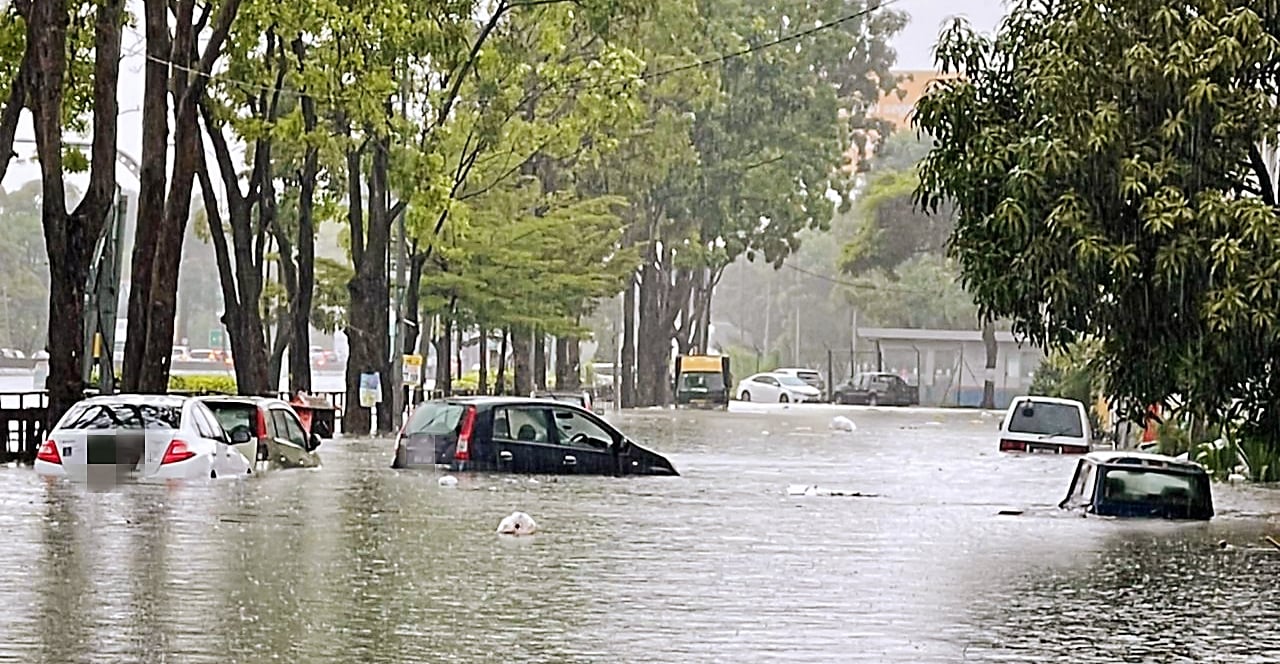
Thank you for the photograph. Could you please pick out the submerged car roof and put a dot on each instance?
(1037, 399)
(1134, 458)
(138, 399)
(490, 401)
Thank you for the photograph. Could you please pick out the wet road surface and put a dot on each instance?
(357, 562)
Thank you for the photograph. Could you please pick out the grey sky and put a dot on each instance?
(914, 46)
(915, 43)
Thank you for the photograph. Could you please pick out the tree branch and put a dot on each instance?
(1264, 176)
(13, 112)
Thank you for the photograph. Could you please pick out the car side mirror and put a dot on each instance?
(315, 440)
(240, 436)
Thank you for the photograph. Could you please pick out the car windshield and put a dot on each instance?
(702, 381)
(1047, 419)
(435, 417)
(99, 416)
(1150, 486)
(791, 381)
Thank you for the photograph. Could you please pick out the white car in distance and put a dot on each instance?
(107, 440)
(782, 388)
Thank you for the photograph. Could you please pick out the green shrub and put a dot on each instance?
(470, 381)
(1173, 439)
(1219, 457)
(1261, 458)
(219, 383)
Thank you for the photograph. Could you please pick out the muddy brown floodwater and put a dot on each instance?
(356, 562)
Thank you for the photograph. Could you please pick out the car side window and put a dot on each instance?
(501, 424)
(288, 427)
(768, 380)
(204, 427)
(575, 429)
(526, 424)
(1086, 484)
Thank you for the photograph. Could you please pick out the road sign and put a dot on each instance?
(215, 338)
(412, 370)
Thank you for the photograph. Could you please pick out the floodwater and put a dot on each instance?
(356, 562)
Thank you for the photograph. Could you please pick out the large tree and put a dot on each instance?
(1103, 159)
(71, 237)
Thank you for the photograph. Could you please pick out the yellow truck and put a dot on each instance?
(702, 381)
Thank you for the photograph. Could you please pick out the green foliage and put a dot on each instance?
(1070, 373)
(1102, 160)
(1220, 458)
(201, 383)
(746, 361)
(469, 383)
(1261, 457)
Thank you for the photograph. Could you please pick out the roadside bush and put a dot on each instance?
(745, 361)
(203, 383)
(1172, 439)
(1261, 459)
(470, 381)
(1219, 458)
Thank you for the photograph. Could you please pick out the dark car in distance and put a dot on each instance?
(877, 389)
(519, 435)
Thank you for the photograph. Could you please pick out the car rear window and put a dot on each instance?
(122, 416)
(1145, 486)
(234, 415)
(1047, 419)
(435, 417)
(809, 375)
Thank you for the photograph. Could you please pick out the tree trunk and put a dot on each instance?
(626, 372)
(562, 366)
(368, 331)
(300, 346)
(652, 345)
(279, 346)
(540, 360)
(152, 354)
(70, 239)
(521, 358)
(483, 383)
(573, 365)
(461, 339)
(500, 381)
(989, 383)
(413, 301)
(151, 183)
(242, 282)
(444, 357)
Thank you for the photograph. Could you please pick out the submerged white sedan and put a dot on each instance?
(109, 439)
(778, 387)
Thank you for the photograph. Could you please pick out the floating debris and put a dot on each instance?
(815, 490)
(518, 523)
(842, 423)
(448, 480)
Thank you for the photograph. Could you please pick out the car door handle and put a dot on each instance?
(570, 460)
(504, 455)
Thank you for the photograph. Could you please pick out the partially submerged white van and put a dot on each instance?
(1046, 425)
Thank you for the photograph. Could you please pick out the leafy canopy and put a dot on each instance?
(1102, 159)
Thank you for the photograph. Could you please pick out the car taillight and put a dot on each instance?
(261, 425)
(463, 450)
(49, 453)
(1012, 446)
(177, 452)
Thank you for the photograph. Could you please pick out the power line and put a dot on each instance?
(851, 284)
(820, 27)
(769, 44)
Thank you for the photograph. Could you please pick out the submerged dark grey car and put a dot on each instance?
(516, 435)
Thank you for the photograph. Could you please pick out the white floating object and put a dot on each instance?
(842, 423)
(1236, 477)
(518, 523)
(448, 480)
(797, 489)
